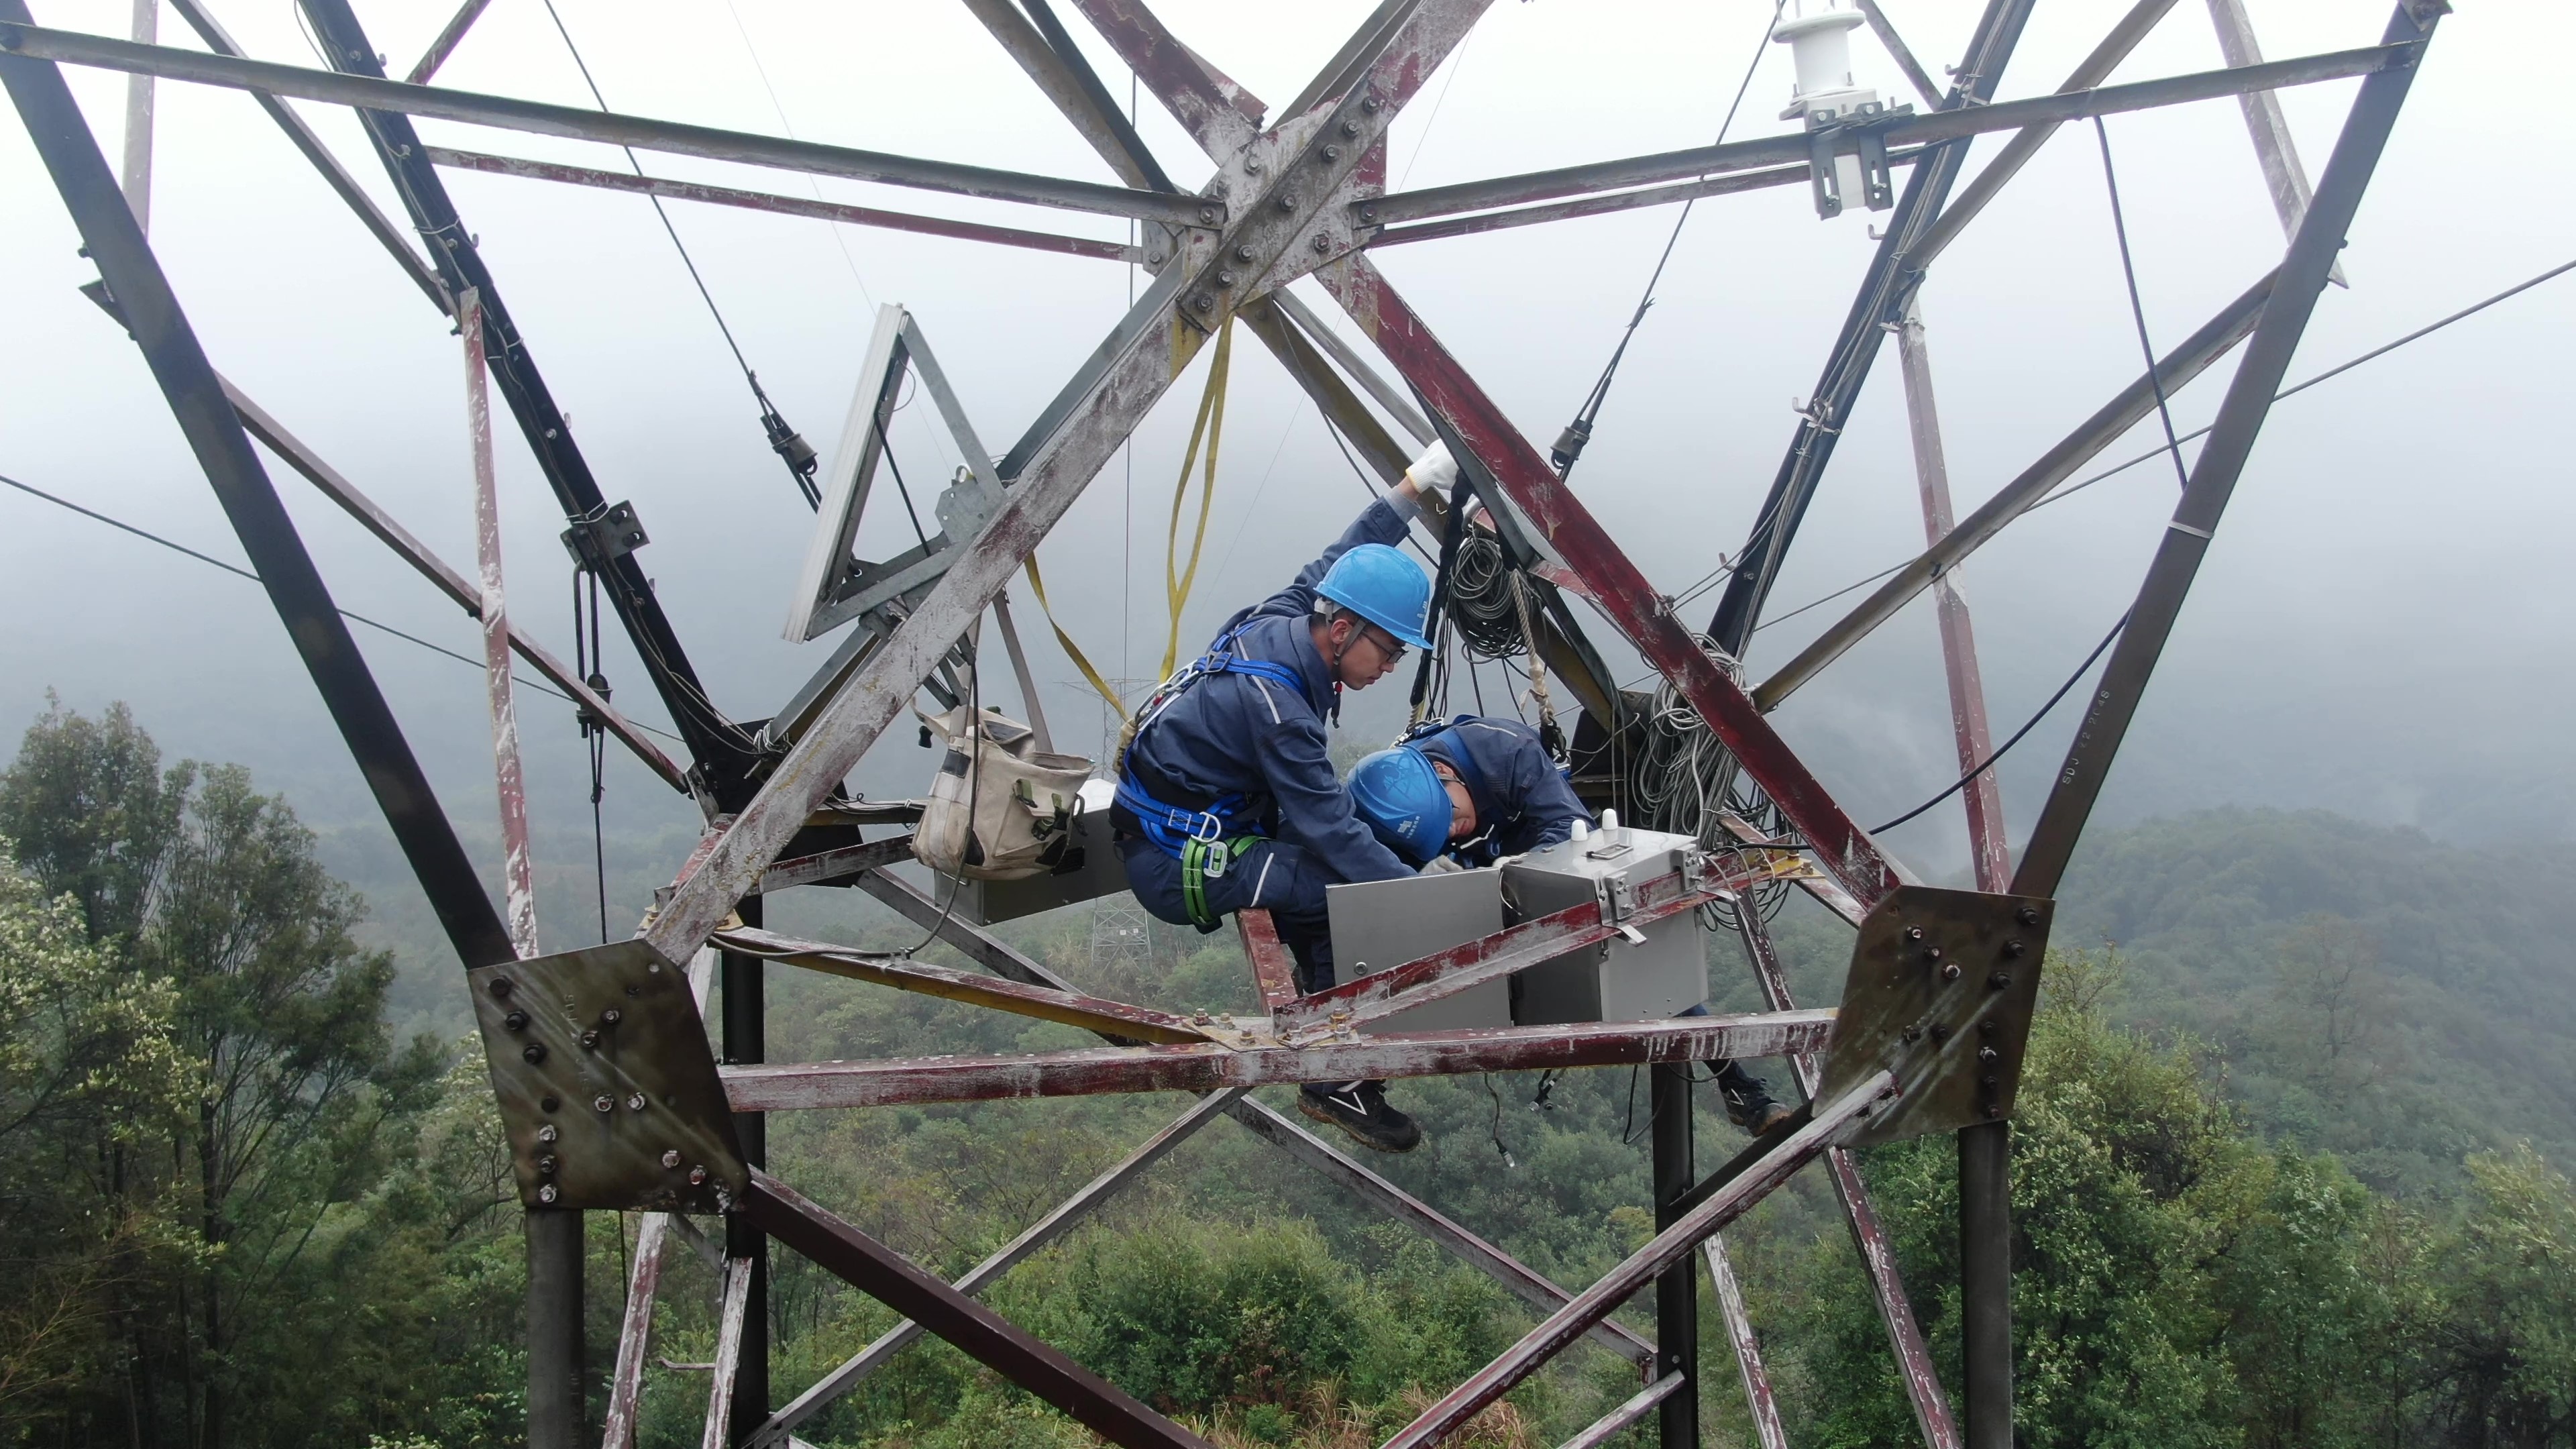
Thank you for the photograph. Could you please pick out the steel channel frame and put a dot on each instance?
(1760, 1404)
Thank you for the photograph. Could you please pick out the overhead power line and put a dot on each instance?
(239, 572)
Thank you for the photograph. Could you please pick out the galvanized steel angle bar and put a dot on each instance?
(2304, 271)
(1063, 1218)
(903, 974)
(1761, 1405)
(879, 1271)
(1219, 114)
(1842, 848)
(1136, 365)
(1208, 1066)
(223, 450)
(1774, 1166)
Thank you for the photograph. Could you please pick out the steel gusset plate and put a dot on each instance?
(1941, 991)
(607, 1084)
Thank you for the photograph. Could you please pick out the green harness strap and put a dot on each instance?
(1198, 864)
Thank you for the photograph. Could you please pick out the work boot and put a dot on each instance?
(1360, 1109)
(1749, 1103)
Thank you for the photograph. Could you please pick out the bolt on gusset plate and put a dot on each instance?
(607, 1084)
(1942, 987)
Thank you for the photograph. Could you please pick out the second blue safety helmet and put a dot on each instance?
(1381, 585)
(1402, 799)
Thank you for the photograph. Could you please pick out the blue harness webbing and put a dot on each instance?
(1172, 828)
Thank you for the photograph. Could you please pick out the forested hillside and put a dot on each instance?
(2293, 1154)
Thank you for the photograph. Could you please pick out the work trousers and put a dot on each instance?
(1270, 875)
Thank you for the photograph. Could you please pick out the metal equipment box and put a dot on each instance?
(1619, 979)
(1378, 925)
(1101, 871)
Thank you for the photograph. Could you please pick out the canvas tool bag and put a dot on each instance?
(1000, 808)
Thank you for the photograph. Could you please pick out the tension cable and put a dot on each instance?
(785, 441)
(1569, 444)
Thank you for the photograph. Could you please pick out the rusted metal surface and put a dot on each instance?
(2134, 404)
(1062, 1219)
(1637, 1406)
(1341, 407)
(1760, 1405)
(382, 227)
(2186, 538)
(539, 118)
(2016, 153)
(890, 1278)
(1516, 1277)
(1940, 993)
(904, 974)
(836, 864)
(1783, 1158)
(1844, 850)
(1274, 973)
(1132, 369)
(1008, 236)
(635, 1331)
(981, 946)
(273, 435)
(1221, 116)
(732, 1314)
(1906, 130)
(1984, 798)
(518, 871)
(449, 37)
(1397, 403)
(1235, 1062)
(608, 1088)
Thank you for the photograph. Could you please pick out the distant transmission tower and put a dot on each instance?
(1122, 935)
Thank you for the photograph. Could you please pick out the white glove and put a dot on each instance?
(1434, 472)
(1441, 865)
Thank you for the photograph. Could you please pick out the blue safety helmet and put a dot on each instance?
(1381, 585)
(1401, 797)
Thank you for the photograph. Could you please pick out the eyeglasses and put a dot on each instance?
(1387, 644)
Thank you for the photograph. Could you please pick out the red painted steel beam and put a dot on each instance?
(1219, 114)
(1273, 971)
(891, 1279)
(1208, 1067)
(1844, 849)
(1091, 1013)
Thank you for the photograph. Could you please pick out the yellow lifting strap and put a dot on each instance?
(1211, 425)
(1177, 581)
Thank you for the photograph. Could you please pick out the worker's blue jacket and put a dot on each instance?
(1242, 734)
(1522, 799)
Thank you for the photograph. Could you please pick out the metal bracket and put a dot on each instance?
(1941, 991)
(607, 1085)
(1864, 128)
(611, 533)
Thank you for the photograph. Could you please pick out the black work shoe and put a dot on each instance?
(1749, 1104)
(1360, 1109)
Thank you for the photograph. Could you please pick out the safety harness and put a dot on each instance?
(1205, 841)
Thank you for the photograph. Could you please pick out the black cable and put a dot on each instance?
(885, 450)
(2137, 309)
(1963, 781)
(785, 441)
(354, 618)
(1570, 443)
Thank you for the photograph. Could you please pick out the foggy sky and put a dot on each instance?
(2379, 629)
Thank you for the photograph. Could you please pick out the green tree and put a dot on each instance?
(90, 813)
(2505, 1349)
(90, 1072)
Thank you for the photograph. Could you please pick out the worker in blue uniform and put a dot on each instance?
(1227, 796)
(1479, 791)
